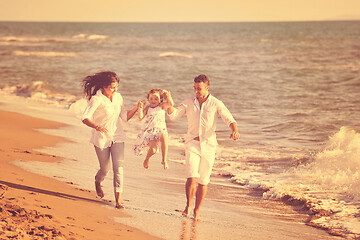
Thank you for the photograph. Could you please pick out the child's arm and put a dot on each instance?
(169, 104)
(141, 105)
(129, 114)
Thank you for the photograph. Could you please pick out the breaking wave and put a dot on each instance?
(38, 91)
(326, 186)
(90, 36)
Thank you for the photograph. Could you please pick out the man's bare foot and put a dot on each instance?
(146, 163)
(166, 166)
(119, 206)
(197, 217)
(185, 213)
(99, 190)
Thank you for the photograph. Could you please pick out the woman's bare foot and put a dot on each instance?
(119, 206)
(146, 163)
(99, 190)
(166, 166)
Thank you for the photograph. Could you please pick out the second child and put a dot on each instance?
(154, 130)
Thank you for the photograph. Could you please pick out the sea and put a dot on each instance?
(293, 88)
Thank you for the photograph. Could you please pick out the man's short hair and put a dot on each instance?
(202, 78)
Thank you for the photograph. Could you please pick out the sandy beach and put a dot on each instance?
(41, 207)
(37, 207)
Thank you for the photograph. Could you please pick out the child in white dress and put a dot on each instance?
(154, 129)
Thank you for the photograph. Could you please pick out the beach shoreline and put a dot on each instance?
(40, 191)
(35, 207)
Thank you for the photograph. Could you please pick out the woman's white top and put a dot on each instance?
(106, 113)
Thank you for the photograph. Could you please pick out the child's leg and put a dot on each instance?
(164, 150)
(151, 151)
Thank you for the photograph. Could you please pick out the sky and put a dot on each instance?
(178, 10)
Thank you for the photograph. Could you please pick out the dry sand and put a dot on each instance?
(37, 207)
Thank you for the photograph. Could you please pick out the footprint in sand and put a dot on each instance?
(44, 206)
(48, 216)
(84, 190)
(88, 229)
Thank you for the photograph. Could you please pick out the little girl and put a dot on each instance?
(154, 129)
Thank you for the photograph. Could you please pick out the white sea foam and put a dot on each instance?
(37, 91)
(25, 39)
(337, 166)
(44, 54)
(90, 36)
(329, 182)
(80, 36)
(175, 54)
(265, 40)
(32, 41)
(39, 41)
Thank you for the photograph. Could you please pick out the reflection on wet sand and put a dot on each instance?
(188, 230)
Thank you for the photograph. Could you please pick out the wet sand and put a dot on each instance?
(37, 207)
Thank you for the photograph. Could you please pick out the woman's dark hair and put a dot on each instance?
(93, 83)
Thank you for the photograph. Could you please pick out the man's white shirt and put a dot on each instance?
(202, 121)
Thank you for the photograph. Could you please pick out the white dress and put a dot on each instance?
(153, 128)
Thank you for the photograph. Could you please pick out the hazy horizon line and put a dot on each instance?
(271, 21)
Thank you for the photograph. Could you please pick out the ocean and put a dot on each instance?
(293, 87)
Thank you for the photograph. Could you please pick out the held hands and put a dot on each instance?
(140, 107)
(141, 104)
(167, 96)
